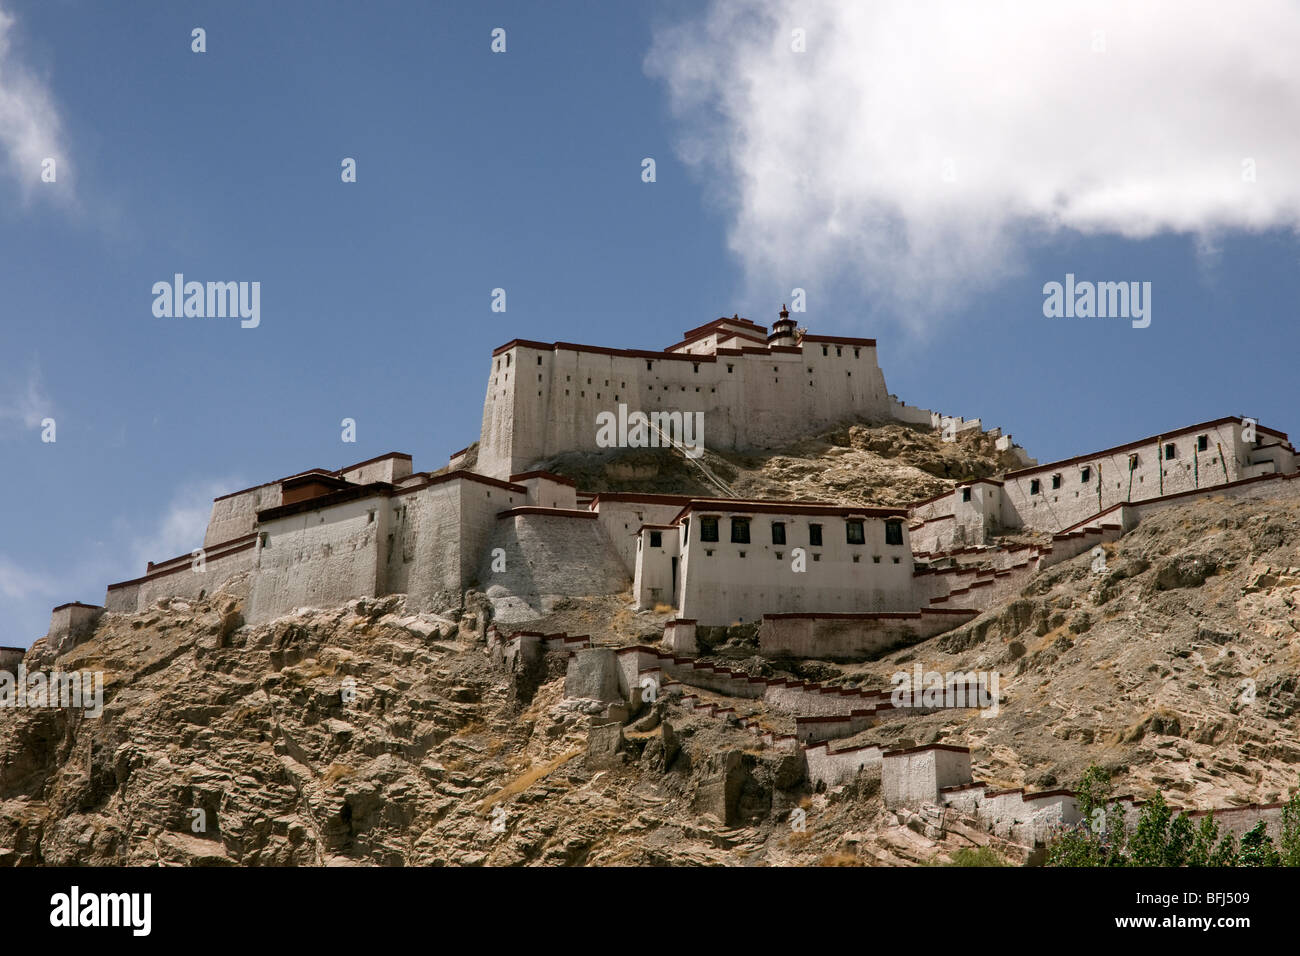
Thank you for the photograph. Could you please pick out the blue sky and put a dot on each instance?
(522, 170)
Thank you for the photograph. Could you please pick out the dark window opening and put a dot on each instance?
(815, 535)
(778, 532)
(1171, 451)
(854, 532)
(1202, 442)
(1035, 486)
(965, 494)
(1056, 482)
(894, 533)
(656, 539)
(708, 529)
(740, 531)
(1085, 475)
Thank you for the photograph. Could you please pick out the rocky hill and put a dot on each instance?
(369, 735)
(863, 463)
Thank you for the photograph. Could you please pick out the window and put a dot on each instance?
(815, 535)
(740, 531)
(1202, 442)
(857, 558)
(708, 529)
(730, 368)
(778, 532)
(1056, 482)
(1085, 475)
(649, 366)
(825, 350)
(838, 352)
(894, 533)
(539, 360)
(1132, 465)
(656, 539)
(854, 532)
(1035, 486)
(1171, 451)
(965, 494)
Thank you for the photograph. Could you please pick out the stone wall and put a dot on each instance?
(852, 636)
(319, 558)
(548, 555)
(543, 398)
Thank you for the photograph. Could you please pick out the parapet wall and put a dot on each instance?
(853, 636)
(548, 555)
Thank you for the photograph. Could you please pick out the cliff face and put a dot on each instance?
(880, 464)
(439, 758)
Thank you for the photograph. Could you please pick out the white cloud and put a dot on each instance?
(180, 529)
(28, 593)
(30, 127)
(832, 162)
(19, 583)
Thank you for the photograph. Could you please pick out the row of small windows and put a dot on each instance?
(854, 532)
(1168, 453)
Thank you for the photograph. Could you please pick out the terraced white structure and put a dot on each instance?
(825, 580)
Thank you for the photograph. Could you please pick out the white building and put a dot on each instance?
(1064, 495)
(755, 390)
(825, 579)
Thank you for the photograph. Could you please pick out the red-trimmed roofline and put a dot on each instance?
(93, 607)
(549, 475)
(636, 497)
(179, 567)
(740, 506)
(314, 471)
(839, 340)
(267, 484)
(867, 615)
(736, 320)
(548, 512)
(208, 551)
(1083, 459)
(371, 461)
(722, 333)
(917, 750)
(461, 476)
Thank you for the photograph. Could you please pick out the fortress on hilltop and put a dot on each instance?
(821, 578)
